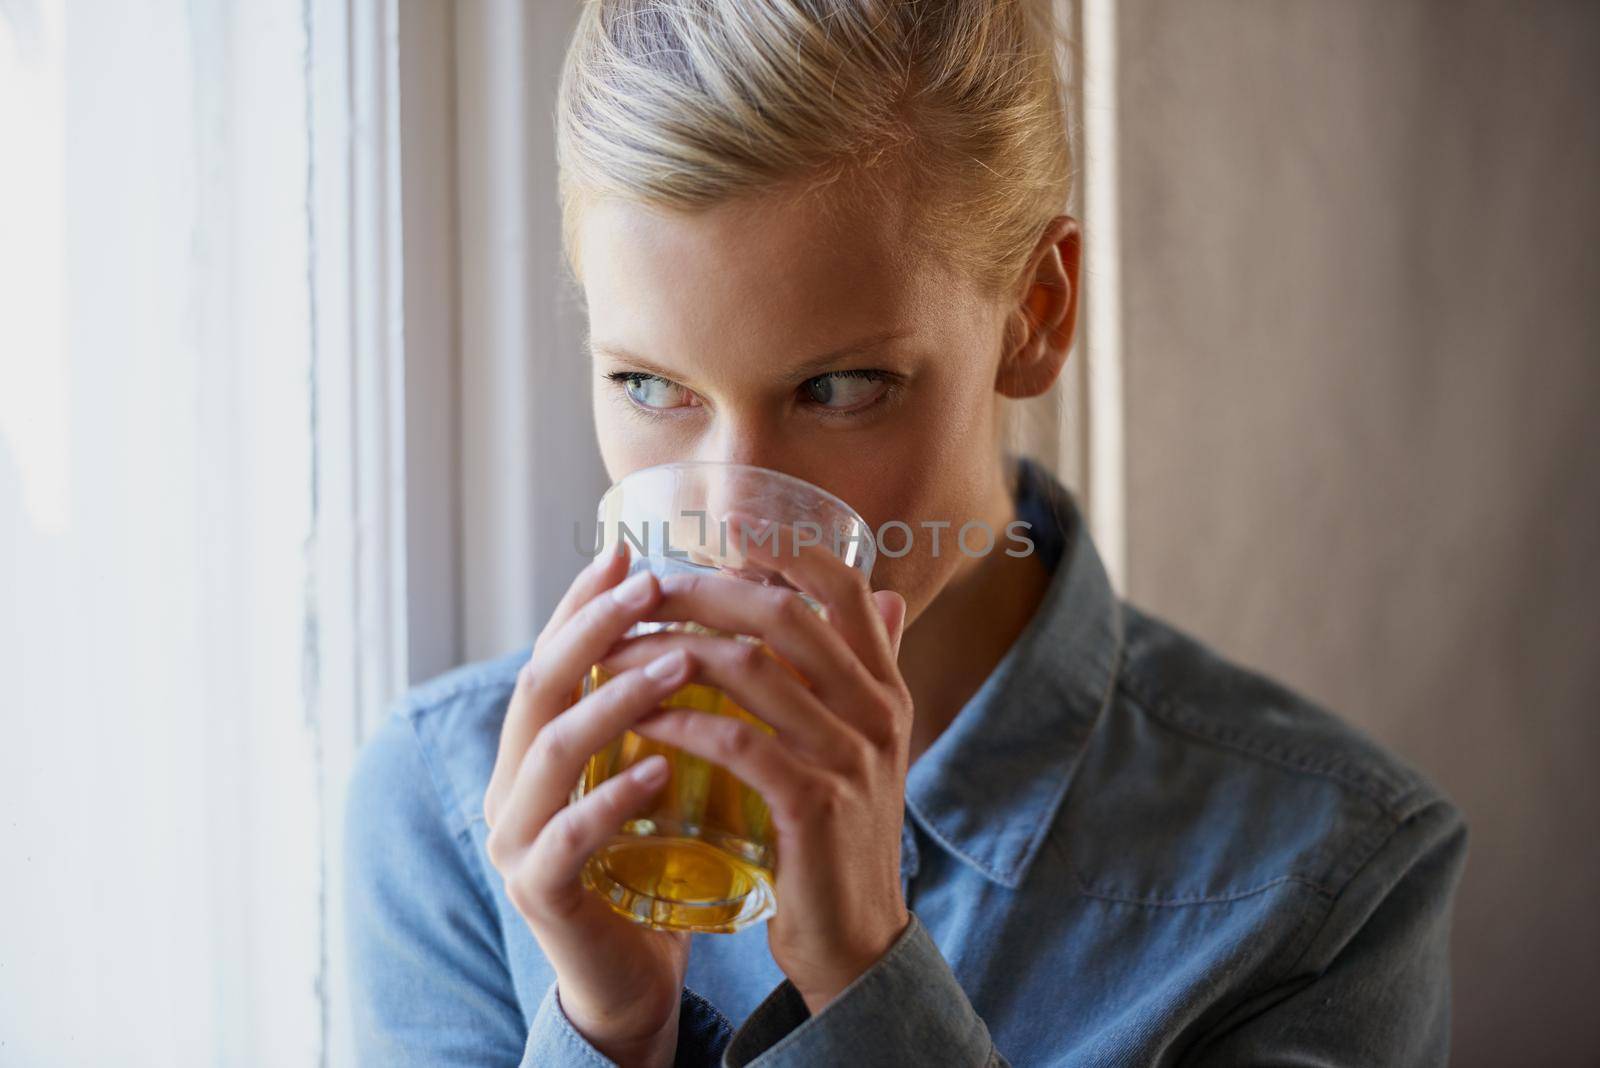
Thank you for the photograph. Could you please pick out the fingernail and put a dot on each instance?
(634, 591)
(607, 554)
(754, 524)
(651, 770)
(666, 665)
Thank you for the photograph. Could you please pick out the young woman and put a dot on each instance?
(1020, 821)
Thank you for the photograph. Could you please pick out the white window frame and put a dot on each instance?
(385, 610)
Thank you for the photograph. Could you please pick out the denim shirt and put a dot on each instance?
(1124, 850)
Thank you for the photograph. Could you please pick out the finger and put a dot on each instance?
(601, 573)
(756, 681)
(546, 874)
(780, 617)
(892, 610)
(549, 681)
(841, 589)
(514, 738)
(559, 751)
(754, 756)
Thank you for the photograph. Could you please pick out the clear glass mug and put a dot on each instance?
(704, 858)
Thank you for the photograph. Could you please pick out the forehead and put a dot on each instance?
(780, 272)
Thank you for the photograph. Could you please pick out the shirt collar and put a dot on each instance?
(988, 787)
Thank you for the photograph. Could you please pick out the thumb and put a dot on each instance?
(892, 610)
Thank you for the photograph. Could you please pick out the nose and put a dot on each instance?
(743, 444)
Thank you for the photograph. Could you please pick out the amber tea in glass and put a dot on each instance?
(704, 857)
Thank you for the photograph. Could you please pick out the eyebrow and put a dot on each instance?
(807, 368)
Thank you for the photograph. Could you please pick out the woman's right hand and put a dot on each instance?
(619, 982)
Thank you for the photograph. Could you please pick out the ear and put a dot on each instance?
(1040, 328)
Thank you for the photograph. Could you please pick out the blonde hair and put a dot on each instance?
(686, 104)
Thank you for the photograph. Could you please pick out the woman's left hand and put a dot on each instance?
(833, 773)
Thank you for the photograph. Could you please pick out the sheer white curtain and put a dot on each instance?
(160, 903)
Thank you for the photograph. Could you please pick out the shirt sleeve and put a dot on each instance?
(429, 983)
(1373, 986)
(703, 1032)
(907, 1009)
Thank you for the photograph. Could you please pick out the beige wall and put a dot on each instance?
(1362, 371)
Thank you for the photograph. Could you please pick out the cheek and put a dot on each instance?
(608, 431)
(947, 483)
(625, 443)
(940, 463)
